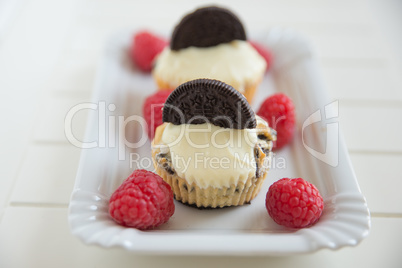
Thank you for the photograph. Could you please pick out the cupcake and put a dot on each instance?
(210, 43)
(211, 149)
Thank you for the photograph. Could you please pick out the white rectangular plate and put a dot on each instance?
(317, 154)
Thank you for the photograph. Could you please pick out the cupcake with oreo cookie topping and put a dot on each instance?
(210, 43)
(211, 149)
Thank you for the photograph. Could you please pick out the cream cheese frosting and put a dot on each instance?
(209, 155)
(236, 63)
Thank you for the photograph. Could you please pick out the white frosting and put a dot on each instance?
(210, 155)
(236, 63)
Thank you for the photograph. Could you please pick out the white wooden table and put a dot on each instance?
(49, 51)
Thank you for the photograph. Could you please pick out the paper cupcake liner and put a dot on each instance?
(235, 195)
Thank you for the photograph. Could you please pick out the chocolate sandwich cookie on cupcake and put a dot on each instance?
(211, 149)
(210, 43)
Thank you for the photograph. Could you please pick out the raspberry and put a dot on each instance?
(278, 110)
(145, 47)
(143, 201)
(152, 110)
(264, 52)
(294, 203)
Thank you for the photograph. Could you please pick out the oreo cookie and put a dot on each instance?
(207, 27)
(208, 101)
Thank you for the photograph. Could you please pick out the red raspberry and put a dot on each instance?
(294, 203)
(145, 47)
(278, 110)
(152, 110)
(264, 52)
(143, 201)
